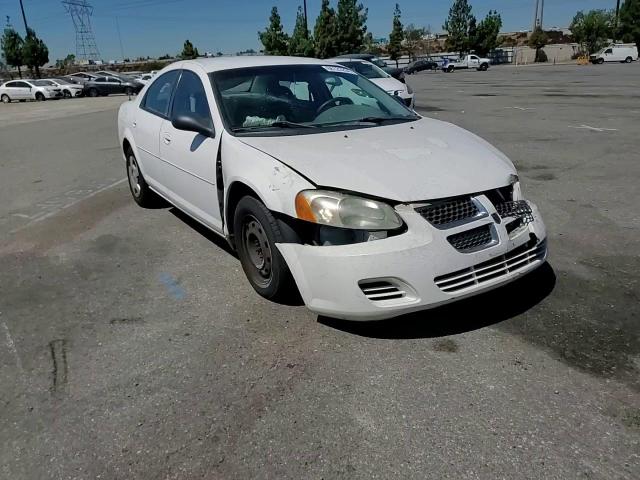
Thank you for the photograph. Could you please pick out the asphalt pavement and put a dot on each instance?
(132, 346)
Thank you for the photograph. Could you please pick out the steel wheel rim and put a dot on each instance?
(256, 245)
(134, 177)
(5, 99)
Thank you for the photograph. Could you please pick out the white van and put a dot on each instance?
(616, 53)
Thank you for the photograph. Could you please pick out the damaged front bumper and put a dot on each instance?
(416, 270)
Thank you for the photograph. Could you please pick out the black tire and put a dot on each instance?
(600, 61)
(628, 60)
(93, 92)
(140, 191)
(256, 233)
(484, 67)
(450, 69)
(40, 97)
(67, 94)
(128, 91)
(5, 98)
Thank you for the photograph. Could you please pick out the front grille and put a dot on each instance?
(448, 213)
(381, 290)
(475, 276)
(472, 240)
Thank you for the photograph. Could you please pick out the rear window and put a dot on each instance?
(157, 98)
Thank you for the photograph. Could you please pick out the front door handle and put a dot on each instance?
(166, 139)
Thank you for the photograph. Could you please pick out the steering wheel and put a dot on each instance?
(335, 102)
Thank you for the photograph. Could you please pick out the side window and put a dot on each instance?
(100, 80)
(12, 84)
(191, 99)
(156, 100)
(22, 85)
(300, 90)
(608, 50)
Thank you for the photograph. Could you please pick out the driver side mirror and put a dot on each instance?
(191, 123)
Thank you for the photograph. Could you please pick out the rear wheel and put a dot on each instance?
(40, 97)
(257, 231)
(628, 60)
(93, 92)
(5, 98)
(140, 191)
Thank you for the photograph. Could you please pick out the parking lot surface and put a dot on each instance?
(132, 346)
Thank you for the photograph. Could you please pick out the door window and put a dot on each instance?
(101, 80)
(191, 99)
(156, 100)
(608, 51)
(12, 84)
(22, 85)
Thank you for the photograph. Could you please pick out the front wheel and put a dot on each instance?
(67, 94)
(93, 92)
(450, 69)
(128, 91)
(484, 67)
(256, 233)
(628, 60)
(40, 97)
(5, 98)
(600, 61)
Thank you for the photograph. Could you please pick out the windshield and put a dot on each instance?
(369, 70)
(62, 81)
(283, 97)
(44, 83)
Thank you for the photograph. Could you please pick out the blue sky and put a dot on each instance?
(155, 27)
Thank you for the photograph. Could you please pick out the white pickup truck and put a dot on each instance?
(470, 61)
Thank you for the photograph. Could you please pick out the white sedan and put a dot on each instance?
(366, 209)
(28, 90)
(381, 78)
(69, 90)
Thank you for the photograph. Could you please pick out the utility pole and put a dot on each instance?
(535, 16)
(26, 28)
(306, 25)
(120, 38)
(541, 12)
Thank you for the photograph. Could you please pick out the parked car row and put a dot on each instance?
(74, 85)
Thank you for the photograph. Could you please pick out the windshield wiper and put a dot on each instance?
(380, 120)
(276, 124)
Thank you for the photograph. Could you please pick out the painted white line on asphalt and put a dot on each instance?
(50, 213)
(12, 347)
(524, 109)
(594, 129)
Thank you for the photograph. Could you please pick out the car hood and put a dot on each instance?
(406, 162)
(389, 84)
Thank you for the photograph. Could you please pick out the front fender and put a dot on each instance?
(274, 182)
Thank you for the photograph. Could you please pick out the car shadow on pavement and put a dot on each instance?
(204, 231)
(466, 315)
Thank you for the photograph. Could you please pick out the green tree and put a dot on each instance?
(301, 43)
(35, 52)
(65, 63)
(538, 40)
(629, 22)
(457, 25)
(189, 51)
(396, 36)
(484, 37)
(351, 26)
(325, 32)
(413, 38)
(593, 29)
(12, 48)
(275, 41)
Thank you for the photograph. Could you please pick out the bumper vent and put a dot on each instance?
(472, 240)
(382, 290)
(481, 273)
(449, 213)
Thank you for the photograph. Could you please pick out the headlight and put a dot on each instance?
(345, 211)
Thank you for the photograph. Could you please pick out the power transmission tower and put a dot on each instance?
(538, 16)
(81, 11)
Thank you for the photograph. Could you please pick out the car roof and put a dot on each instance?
(228, 63)
(344, 59)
